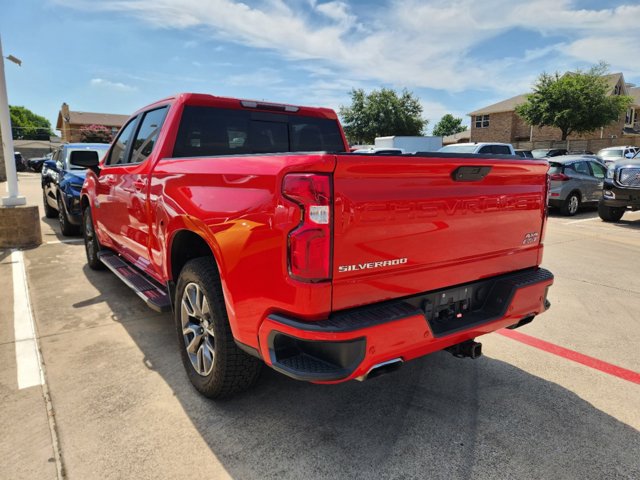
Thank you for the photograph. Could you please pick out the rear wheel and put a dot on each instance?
(66, 227)
(610, 214)
(215, 366)
(91, 244)
(49, 211)
(571, 204)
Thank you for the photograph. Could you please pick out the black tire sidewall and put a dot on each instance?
(192, 273)
(49, 211)
(94, 262)
(233, 370)
(565, 206)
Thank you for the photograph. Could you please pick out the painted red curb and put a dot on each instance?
(572, 355)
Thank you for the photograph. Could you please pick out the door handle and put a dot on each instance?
(139, 184)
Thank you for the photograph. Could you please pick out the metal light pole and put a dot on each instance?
(14, 198)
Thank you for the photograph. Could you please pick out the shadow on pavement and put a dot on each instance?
(583, 213)
(437, 417)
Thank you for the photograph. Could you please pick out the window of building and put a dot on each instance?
(482, 121)
(630, 117)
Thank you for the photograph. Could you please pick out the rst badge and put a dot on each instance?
(530, 238)
(370, 265)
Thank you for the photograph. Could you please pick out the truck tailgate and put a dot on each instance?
(410, 224)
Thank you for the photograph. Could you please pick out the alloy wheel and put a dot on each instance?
(197, 329)
(573, 204)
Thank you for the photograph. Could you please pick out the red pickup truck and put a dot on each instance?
(272, 244)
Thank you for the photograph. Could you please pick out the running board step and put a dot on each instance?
(154, 295)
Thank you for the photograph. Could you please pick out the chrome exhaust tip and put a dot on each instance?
(382, 369)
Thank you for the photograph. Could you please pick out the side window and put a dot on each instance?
(485, 149)
(582, 168)
(501, 150)
(598, 170)
(148, 134)
(119, 149)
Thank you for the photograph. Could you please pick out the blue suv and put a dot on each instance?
(61, 185)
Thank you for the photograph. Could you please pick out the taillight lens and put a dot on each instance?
(561, 177)
(310, 242)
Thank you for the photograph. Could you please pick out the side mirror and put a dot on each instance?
(50, 164)
(85, 159)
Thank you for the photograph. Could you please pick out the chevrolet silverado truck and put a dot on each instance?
(272, 244)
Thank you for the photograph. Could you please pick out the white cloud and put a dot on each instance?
(411, 43)
(102, 83)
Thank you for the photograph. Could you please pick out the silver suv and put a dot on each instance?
(575, 180)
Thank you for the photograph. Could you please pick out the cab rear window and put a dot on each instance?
(210, 131)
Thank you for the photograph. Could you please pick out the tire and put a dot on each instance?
(610, 214)
(66, 227)
(49, 211)
(215, 365)
(91, 243)
(571, 205)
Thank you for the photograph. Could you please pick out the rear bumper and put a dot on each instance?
(349, 343)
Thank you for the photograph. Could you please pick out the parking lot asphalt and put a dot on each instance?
(117, 404)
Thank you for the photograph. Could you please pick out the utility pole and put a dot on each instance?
(19, 222)
(14, 198)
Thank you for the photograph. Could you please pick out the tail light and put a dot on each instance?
(560, 177)
(310, 242)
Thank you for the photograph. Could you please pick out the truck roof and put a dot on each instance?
(208, 100)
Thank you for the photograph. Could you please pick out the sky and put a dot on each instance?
(115, 56)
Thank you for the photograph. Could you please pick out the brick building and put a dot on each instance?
(500, 123)
(70, 122)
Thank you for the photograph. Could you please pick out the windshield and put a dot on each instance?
(611, 153)
(101, 152)
(458, 149)
(540, 152)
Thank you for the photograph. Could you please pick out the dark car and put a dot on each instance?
(35, 164)
(548, 152)
(20, 163)
(524, 153)
(621, 190)
(62, 182)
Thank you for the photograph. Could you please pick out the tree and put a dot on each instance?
(26, 125)
(95, 134)
(576, 102)
(448, 125)
(381, 113)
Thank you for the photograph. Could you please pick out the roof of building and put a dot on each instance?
(457, 137)
(507, 105)
(634, 92)
(510, 104)
(92, 118)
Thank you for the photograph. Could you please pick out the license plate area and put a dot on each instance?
(458, 308)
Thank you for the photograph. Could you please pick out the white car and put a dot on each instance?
(612, 154)
(380, 151)
(480, 147)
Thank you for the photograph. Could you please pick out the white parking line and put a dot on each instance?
(69, 240)
(580, 221)
(28, 361)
